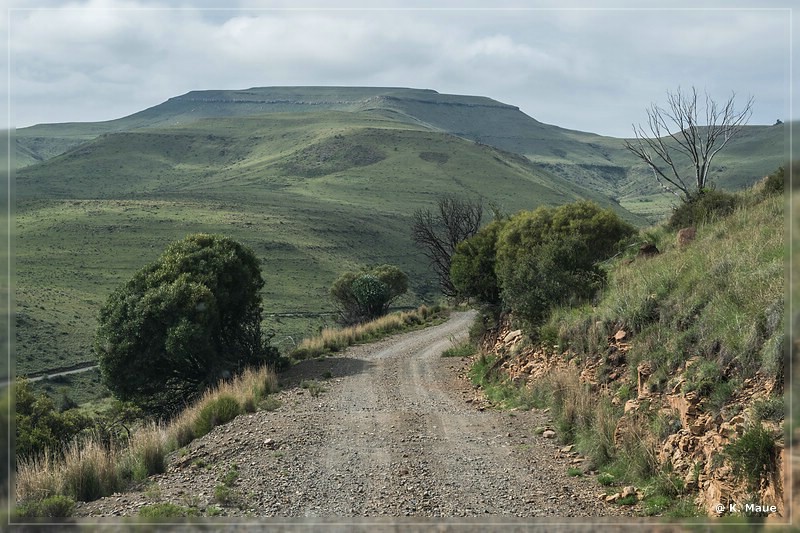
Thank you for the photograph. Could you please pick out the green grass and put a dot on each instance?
(462, 349)
(498, 389)
(753, 456)
(85, 388)
(216, 412)
(53, 507)
(86, 221)
(719, 299)
(313, 189)
(314, 387)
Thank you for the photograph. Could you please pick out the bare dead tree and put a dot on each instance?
(438, 232)
(675, 134)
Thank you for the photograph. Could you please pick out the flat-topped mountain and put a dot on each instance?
(317, 180)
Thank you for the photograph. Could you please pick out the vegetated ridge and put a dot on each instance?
(317, 180)
(673, 380)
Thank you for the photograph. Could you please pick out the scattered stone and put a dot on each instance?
(548, 434)
(648, 249)
(512, 336)
(686, 235)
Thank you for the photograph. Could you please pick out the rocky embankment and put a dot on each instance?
(696, 442)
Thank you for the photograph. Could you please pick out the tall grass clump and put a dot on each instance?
(216, 412)
(753, 456)
(221, 404)
(38, 477)
(90, 471)
(90, 468)
(580, 415)
(146, 453)
(332, 340)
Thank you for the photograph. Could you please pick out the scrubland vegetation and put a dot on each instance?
(87, 468)
(306, 211)
(718, 301)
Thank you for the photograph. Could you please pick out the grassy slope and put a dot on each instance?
(313, 194)
(323, 180)
(592, 161)
(720, 298)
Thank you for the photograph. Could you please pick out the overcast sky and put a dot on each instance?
(590, 69)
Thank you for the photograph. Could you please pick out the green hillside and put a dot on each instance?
(591, 161)
(313, 194)
(317, 180)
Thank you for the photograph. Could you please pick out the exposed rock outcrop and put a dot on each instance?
(698, 432)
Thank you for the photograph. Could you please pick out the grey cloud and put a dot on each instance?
(590, 70)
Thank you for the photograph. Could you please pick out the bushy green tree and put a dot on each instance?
(550, 256)
(368, 293)
(183, 322)
(40, 426)
(472, 269)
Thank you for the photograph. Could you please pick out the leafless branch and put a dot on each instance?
(675, 131)
(438, 232)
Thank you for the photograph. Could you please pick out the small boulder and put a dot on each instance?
(648, 249)
(686, 235)
(549, 434)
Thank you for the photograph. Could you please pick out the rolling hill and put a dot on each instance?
(315, 180)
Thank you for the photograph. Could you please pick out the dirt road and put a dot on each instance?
(395, 433)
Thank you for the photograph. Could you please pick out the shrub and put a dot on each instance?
(58, 506)
(367, 294)
(472, 268)
(40, 425)
(371, 294)
(703, 207)
(753, 456)
(182, 323)
(549, 257)
(216, 412)
(775, 183)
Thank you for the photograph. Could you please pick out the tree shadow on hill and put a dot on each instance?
(321, 369)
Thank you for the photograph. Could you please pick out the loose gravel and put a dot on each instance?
(396, 431)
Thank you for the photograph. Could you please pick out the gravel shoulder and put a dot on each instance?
(397, 432)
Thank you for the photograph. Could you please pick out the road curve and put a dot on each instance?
(394, 434)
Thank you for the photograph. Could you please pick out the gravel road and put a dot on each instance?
(397, 432)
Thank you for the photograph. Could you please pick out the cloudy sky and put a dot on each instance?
(587, 68)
